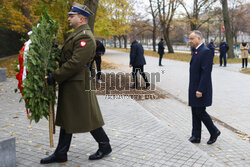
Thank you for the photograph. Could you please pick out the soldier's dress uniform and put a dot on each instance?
(78, 109)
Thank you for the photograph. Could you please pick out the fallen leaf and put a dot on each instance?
(113, 158)
(63, 163)
(12, 133)
(7, 125)
(38, 145)
(35, 135)
(15, 117)
(219, 148)
(229, 156)
(77, 166)
(29, 127)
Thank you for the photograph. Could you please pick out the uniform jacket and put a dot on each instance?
(244, 51)
(137, 55)
(211, 46)
(200, 77)
(78, 109)
(223, 48)
(161, 48)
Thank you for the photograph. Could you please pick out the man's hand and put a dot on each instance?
(130, 65)
(198, 94)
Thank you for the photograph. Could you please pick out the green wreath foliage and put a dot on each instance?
(41, 58)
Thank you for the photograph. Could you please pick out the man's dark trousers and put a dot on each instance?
(139, 69)
(161, 55)
(199, 115)
(224, 56)
(98, 61)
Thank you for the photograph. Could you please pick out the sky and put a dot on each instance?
(142, 6)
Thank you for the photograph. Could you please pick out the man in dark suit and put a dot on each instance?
(161, 50)
(211, 46)
(223, 52)
(137, 61)
(200, 88)
(100, 50)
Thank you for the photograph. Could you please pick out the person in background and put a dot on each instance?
(244, 53)
(137, 61)
(161, 50)
(211, 46)
(100, 50)
(223, 52)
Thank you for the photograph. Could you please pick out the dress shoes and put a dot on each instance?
(193, 139)
(53, 158)
(147, 85)
(104, 149)
(132, 87)
(213, 138)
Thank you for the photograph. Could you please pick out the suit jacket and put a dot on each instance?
(223, 48)
(211, 46)
(100, 49)
(161, 48)
(137, 55)
(200, 77)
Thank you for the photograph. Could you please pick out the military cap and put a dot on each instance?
(80, 9)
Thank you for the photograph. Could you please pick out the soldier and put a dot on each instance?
(161, 50)
(78, 109)
(223, 52)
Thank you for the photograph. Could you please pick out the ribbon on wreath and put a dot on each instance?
(22, 69)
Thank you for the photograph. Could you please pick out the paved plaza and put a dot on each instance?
(147, 132)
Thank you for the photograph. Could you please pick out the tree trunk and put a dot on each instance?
(166, 37)
(229, 37)
(115, 41)
(120, 42)
(154, 35)
(92, 5)
(125, 41)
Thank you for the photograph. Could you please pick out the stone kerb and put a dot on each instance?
(2, 74)
(7, 152)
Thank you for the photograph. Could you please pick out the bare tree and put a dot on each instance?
(166, 11)
(154, 14)
(193, 16)
(229, 37)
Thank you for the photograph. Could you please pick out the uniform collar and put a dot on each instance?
(82, 27)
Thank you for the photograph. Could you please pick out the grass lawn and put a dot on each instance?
(246, 71)
(9, 62)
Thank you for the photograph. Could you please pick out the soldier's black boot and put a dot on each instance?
(60, 154)
(104, 147)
